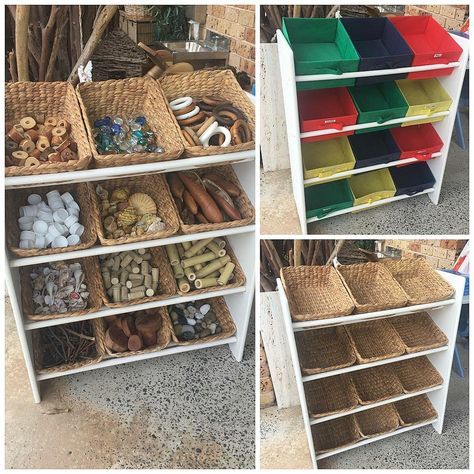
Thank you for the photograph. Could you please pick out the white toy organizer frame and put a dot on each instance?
(452, 84)
(446, 316)
(242, 240)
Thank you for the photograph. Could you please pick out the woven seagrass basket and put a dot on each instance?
(92, 279)
(414, 410)
(377, 421)
(315, 292)
(203, 83)
(56, 99)
(130, 98)
(335, 434)
(420, 282)
(416, 374)
(163, 337)
(372, 287)
(18, 197)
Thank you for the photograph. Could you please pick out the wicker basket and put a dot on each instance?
(412, 411)
(315, 293)
(330, 395)
(166, 282)
(376, 384)
(335, 434)
(156, 187)
(321, 350)
(53, 99)
(38, 353)
(242, 203)
(220, 309)
(138, 12)
(92, 279)
(374, 340)
(238, 280)
(418, 332)
(163, 339)
(420, 282)
(130, 98)
(416, 374)
(200, 84)
(18, 197)
(377, 421)
(371, 287)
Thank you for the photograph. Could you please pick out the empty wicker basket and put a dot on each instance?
(416, 374)
(421, 283)
(377, 421)
(375, 340)
(412, 411)
(418, 332)
(324, 349)
(335, 434)
(315, 293)
(372, 287)
(330, 395)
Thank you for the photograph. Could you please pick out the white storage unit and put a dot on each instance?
(445, 314)
(242, 240)
(452, 84)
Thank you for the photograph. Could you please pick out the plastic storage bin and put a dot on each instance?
(326, 109)
(323, 159)
(412, 179)
(372, 186)
(424, 97)
(325, 198)
(320, 46)
(374, 148)
(430, 43)
(378, 103)
(418, 141)
(379, 45)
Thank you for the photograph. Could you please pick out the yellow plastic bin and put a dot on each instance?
(424, 97)
(325, 158)
(372, 186)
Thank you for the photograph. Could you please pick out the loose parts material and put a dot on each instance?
(374, 148)
(417, 141)
(412, 179)
(325, 198)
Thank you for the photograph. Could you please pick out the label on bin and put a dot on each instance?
(330, 121)
(437, 55)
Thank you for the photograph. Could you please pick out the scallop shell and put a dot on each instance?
(142, 203)
(119, 195)
(126, 217)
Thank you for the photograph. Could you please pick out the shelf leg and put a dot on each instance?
(13, 287)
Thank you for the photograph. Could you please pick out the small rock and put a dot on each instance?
(174, 315)
(191, 321)
(204, 309)
(205, 333)
(218, 329)
(187, 332)
(191, 310)
(178, 329)
(203, 324)
(213, 327)
(198, 315)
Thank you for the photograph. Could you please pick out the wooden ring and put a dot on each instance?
(207, 123)
(213, 100)
(193, 136)
(196, 118)
(187, 109)
(187, 137)
(240, 132)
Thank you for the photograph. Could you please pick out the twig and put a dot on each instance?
(58, 41)
(45, 40)
(22, 15)
(12, 66)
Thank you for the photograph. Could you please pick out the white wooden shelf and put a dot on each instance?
(368, 365)
(316, 421)
(366, 169)
(445, 315)
(362, 207)
(374, 439)
(106, 249)
(105, 311)
(359, 317)
(241, 239)
(452, 84)
(376, 72)
(171, 349)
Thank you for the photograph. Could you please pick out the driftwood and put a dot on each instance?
(21, 41)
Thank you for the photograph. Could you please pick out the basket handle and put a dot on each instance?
(423, 156)
(327, 70)
(330, 124)
(374, 199)
(324, 212)
(386, 118)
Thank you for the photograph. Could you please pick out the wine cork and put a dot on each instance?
(205, 283)
(178, 271)
(215, 249)
(126, 260)
(148, 281)
(225, 275)
(145, 267)
(116, 296)
(135, 267)
(106, 278)
(139, 288)
(129, 284)
(136, 258)
(154, 286)
(172, 253)
(109, 262)
(146, 256)
(150, 292)
(110, 292)
(124, 293)
(205, 257)
(190, 275)
(215, 265)
(194, 249)
(123, 277)
(134, 295)
(135, 277)
(183, 285)
(116, 264)
(114, 278)
(155, 274)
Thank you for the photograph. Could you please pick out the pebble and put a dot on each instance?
(198, 315)
(204, 309)
(174, 316)
(191, 321)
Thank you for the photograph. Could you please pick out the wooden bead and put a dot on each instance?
(15, 135)
(32, 134)
(27, 123)
(59, 131)
(20, 155)
(42, 143)
(68, 155)
(56, 141)
(64, 124)
(63, 145)
(54, 157)
(36, 153)
(51, 122)
(27, 145)
(32, 161)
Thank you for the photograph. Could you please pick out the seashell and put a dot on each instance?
(127, 217)
(109, 224)
(120, 194)
(143, 203)
(101, 192)
(118, 233)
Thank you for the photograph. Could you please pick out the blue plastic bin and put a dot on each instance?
(412, 179)
(374, 148)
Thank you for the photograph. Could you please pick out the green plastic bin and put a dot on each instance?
(320, 46)
(325, 198)
(378, 103)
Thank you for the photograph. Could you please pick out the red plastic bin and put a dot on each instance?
(430, 43)
(324, 109)
(417, 141)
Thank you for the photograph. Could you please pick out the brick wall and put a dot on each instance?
(451, 17)
(237, 22)
(441, 254)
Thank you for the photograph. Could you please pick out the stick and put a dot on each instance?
(57, 42)
(12, 66)
(334, 253)
(104, 18)
(45, 40)
(297, 252)
(22, 14)
(333, 11)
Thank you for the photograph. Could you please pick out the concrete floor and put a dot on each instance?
(416, 215)
(283, 439)
(189, 411)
